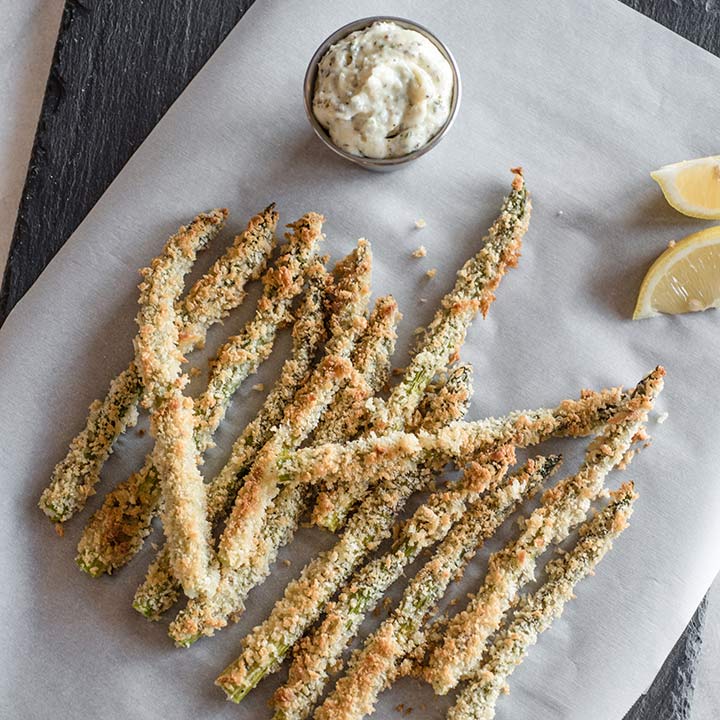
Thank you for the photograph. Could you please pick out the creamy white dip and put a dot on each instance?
(383, 92)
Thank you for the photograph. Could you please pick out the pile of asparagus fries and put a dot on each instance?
(333, 443)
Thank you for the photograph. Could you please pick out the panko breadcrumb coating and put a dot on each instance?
(371, 359)
(355, 464)
(321, 650)
(376, 664)
(563, 506)
(159, 359)
(537, 612)
(131, 506)
(74, 478)
(266, 646)
(159, 590)
(351, 296)
(474, 291)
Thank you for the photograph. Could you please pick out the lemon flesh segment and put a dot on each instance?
(692, 187)
(685, 278)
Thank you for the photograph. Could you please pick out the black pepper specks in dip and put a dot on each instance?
(383, 92)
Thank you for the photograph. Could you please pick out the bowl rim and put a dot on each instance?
(344, 31)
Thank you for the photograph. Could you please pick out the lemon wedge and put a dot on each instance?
(685, 278)
(692, 187)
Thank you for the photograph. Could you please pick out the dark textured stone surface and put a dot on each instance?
(670, 697)
(117, 68)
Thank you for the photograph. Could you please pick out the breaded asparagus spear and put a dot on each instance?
(159, 592)
(74, 478)
(117, 529)
(352, 464)
(322, 648)
(465, 636)
(347, 322)
(537, 612)
(375, 665)
(473, 291)
(371, 360)
(158, 359)
(241, 355)
(268, 644)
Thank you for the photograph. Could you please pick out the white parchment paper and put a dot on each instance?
(588, 97)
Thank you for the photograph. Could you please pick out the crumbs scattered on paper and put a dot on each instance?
(420, 223)
(431, 273)
(420, 252)
(661, 418)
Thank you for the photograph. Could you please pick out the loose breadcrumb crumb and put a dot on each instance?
(260, 387)
(420, 252)
(672, 244)
(287, 563)
(194, 372)
(59, 529)
(431, 273)
(420, 223)
(661, 418)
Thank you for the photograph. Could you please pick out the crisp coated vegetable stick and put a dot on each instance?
(382, 455)
(476, 282)
(74, 478)
(222, 288)
(160, 590)
(267, 645)
(347, 322)
(241, 355)
(159, 359)
(376, 664)
(116, 531)
(465, 635)
(537, 612)
(322, 649)
(128, 510)
(371, 359)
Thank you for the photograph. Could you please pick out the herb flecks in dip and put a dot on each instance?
(383, 92)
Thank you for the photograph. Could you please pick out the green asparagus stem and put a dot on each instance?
(537, 612)
(74, 478)
(322, 648)
(159, 361)
(351, 464)
(347, 323)
(116, 531)
(242, 354)
(375, 665)
(160, 590)
(244, 525)
(473, 291)
(465, 636)
(371, 360)
(267, 645)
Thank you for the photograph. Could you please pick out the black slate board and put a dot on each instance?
(118, 66)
